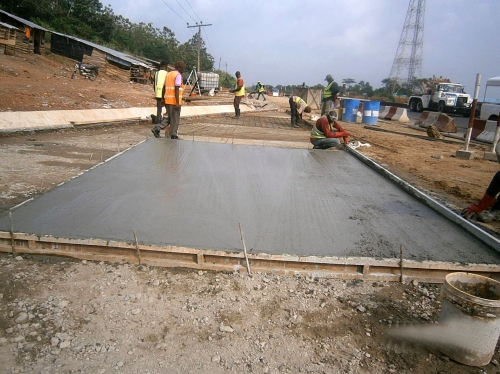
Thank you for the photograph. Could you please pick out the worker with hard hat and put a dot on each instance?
(261, 89)
(326, 132)
(297, 106)
(330, 93)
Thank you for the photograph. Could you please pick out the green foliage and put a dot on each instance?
(225, 80)
(362, 88)
(90, 20)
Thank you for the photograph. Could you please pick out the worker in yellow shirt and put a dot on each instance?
(297, 106)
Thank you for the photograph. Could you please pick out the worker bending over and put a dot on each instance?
(489, 200)
(327, 131)
(297, 106)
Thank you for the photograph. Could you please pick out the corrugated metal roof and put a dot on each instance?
(127, 60)
(8, 26)
(22, 20)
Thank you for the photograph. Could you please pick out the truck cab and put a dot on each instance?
(490, 107)
(442, 97)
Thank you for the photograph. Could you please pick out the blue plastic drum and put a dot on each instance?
(350, 110)
(370, 112)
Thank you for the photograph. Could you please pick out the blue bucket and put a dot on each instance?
(350, 110)
(370, 112)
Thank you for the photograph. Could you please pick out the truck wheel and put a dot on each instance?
(413, 105)
(441, 106)
(493, 118)
(419, 107)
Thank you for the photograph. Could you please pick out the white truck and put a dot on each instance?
(442, 96)
(490, 107)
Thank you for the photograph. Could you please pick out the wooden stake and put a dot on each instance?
(245, 250)
(12, 234)
(137, 248)
(401, 263)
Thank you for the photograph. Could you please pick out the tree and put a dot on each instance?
(348, 81)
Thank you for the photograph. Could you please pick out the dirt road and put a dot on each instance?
(65, 316)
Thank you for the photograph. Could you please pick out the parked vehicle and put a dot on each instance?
(442, 96)
(87, 71)
(490, 107)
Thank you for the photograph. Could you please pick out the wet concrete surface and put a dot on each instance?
(293, 201)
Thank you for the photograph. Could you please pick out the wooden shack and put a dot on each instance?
(27, 38)
(7, 38)
(112, 63)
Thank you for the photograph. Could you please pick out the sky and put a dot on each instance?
(291, 42)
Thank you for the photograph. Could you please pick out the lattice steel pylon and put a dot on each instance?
(408, 57)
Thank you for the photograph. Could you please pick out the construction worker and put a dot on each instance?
(343, 90)
(327, 131)
(297, 106)
(159, 87)
(479, 211)
(174, 87)
(330, 93)
(261, 90)
(239, 93)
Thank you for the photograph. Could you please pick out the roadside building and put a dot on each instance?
(20, 35)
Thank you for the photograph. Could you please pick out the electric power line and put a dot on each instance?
(193, 11)
(185, 11)
(175, 12)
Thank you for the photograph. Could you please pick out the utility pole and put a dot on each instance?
(199, 39)
(410, 47)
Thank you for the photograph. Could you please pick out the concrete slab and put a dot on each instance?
(465, 155)
(288, 201)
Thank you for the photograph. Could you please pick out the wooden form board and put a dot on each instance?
(363, 268)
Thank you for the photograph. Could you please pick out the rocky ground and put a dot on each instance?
(63, 316)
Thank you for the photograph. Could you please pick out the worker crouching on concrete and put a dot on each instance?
(327, 131)
(297, 106)
(479, 211)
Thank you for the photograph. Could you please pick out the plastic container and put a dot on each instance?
(470, 310)
(350, 110)
(208, 81)
(370, 112)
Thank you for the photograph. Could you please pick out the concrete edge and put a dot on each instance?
(28, 121)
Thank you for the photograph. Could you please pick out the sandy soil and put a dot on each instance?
(59, 315)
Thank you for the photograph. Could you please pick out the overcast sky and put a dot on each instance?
(290, 42)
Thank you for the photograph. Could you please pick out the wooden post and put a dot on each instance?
(245, 250)
(12, 234)
(137, 248)
(401, 263)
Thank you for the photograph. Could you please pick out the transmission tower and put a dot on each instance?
(408, 60)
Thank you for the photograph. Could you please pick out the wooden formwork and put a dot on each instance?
(363, 268)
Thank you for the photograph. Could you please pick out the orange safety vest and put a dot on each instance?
(170, 88)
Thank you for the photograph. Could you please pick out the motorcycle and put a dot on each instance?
(87, 71)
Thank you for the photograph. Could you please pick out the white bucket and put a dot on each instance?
(471, 309)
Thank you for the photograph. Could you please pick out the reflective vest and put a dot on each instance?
(160, 83)
(241, 91)
(261, 87)
(299, 101)
(327, 93)
(318, 134)
(170, 88)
